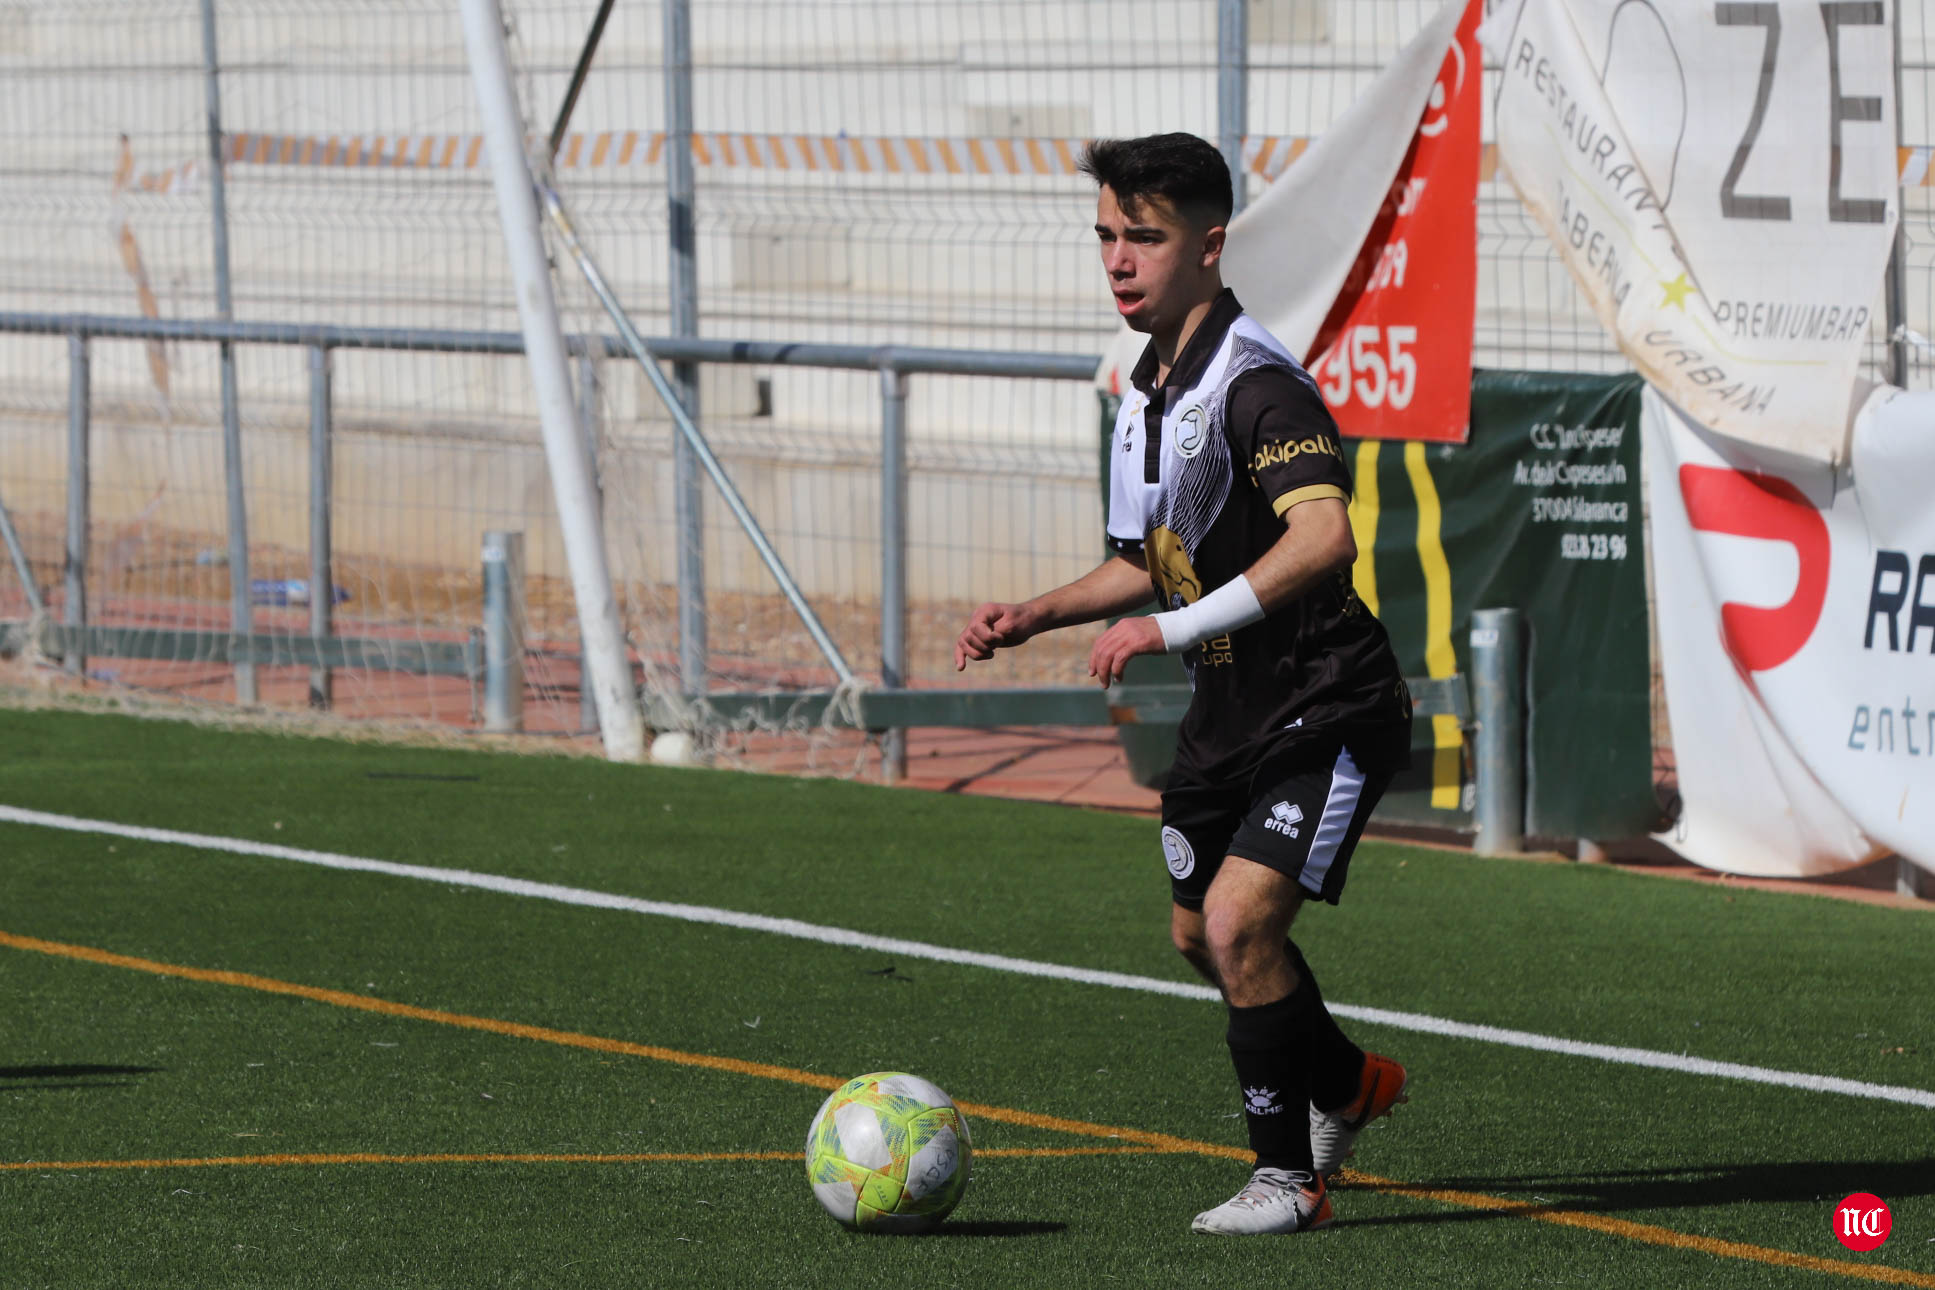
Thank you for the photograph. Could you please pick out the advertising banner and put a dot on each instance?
(1796, 611)
(1393, 357)
(1721, 181)
(1540, 512)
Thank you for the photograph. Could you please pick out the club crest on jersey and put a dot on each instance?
(1192, 432)
(1177, 851)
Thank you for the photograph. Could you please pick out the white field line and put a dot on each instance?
(943, 954)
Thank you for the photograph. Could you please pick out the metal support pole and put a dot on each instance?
(680, 192)
(75, 613)
(1912, 881)
(588, 421)
(241, 615)
(893, 560)
(1498, 703)
(322, 574)
(1897, 305)
(1233, 89)
(21, 567)
(572, 486)
(1896, 295)
(503, 632)
(578, 74)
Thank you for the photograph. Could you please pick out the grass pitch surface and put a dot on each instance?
(629, 1094)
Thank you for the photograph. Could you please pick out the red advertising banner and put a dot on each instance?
(1393, 357)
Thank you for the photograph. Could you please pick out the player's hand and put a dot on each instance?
(989, 628)
(1119, 644)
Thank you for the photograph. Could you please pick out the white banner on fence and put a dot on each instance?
(1291, 249)
(1721, 181)
(1796, 614)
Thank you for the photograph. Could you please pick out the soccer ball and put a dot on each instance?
(888, 1153)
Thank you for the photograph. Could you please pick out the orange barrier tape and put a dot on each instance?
(620, 150)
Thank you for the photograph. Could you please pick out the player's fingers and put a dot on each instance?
(1097, 659)
(1102, 665)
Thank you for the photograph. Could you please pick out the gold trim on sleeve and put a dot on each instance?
(1308, 493)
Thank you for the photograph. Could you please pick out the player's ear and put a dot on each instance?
(1213, 246)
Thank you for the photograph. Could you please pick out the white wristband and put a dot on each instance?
(1230, 606)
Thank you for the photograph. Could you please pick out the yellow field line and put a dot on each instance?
(1648, 1234)
(1539, 1212)
(283, 1159)
(597, 1043)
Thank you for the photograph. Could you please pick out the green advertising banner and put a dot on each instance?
(1541, 512)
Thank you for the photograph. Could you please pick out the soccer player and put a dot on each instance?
(1228, 499)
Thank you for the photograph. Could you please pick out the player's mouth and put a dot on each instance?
(1127, 302)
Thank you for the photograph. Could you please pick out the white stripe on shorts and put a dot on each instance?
(1346, 790)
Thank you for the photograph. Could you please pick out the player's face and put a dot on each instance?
(1159, 266)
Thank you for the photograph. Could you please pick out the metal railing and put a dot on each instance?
(890, 707)
(74, 638)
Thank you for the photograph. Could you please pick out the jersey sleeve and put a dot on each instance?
(1278, 421)
(1126, 520)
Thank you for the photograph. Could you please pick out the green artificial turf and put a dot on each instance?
(102, 1062)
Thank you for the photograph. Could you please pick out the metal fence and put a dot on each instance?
(863, 173)
(292, 640)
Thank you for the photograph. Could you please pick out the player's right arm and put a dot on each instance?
(1118, 586)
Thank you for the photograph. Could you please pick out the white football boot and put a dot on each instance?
(1274, 1201)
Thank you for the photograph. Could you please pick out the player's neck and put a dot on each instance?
(1170, 344)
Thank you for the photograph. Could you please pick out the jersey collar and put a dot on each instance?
(1195, 356)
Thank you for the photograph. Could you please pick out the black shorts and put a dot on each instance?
(1301, 813)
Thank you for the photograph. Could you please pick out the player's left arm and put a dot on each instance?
(1296, 458)
(1317, 543)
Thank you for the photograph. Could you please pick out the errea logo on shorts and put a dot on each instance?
(1284, 818)
(1177, 851)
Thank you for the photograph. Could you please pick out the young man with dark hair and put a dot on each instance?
(1229, 496)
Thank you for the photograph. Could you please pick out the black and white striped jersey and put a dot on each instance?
(1205, 471)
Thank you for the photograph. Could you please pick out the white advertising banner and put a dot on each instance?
(1721, 181)
(1796, 615)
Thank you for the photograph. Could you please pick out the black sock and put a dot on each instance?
(1336, 1065)
(1270, 1069)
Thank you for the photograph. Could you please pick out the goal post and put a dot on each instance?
(572, 480)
